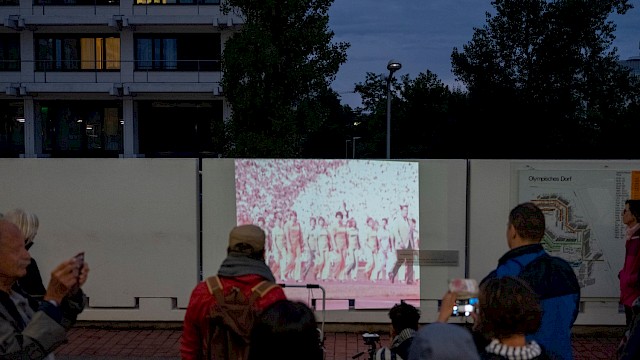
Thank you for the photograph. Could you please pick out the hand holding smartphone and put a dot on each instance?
(79, 258)
(466, 291)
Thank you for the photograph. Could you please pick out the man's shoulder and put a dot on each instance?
(551, 276)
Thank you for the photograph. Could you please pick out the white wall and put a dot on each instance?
(493, 192)
(138, 222)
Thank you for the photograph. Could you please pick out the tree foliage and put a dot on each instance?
(277, 71)
(424, 117)
(547, 74)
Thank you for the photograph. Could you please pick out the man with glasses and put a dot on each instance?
(32, 329)
(629, 279)
(28, 224)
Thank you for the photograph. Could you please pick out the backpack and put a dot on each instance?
(231, 319)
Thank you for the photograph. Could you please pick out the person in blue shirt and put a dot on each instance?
(552, 278)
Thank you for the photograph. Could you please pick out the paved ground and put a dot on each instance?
(91, 343)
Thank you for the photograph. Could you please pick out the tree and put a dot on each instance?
(425, 116)
(547, 73)
(275, 70)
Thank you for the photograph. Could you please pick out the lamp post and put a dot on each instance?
(346, 148)
(392, 66)
(353, 143)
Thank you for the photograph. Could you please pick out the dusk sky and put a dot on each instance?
(421, 35)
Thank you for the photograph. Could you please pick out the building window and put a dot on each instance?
(67, 53)
(177, 2)
(180, 128)
(11, 128)
(81, 128)
(182, 52)
(76, 2)
(10, 52)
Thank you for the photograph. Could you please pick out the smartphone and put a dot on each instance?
(464, 307)
(79, 258)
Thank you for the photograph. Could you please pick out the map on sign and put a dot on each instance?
(584, 225)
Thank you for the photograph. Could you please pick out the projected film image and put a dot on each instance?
(336, 223)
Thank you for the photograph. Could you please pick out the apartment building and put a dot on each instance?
(112, 78)
(632, 63)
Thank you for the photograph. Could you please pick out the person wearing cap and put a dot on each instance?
(243, 268)
(443, 341)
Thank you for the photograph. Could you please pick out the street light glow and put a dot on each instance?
(393, 66)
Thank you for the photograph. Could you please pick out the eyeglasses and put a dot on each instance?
(28, 245)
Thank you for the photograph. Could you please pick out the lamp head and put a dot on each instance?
(393, 66)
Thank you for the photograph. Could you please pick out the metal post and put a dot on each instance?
(392, 66)
(389, 115)
(353, 143)
(346, 148)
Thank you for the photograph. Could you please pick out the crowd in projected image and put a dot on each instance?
(336, 223)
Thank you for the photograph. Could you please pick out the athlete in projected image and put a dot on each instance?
(268, 247)
(353, 245)
(279, 246)
(324, 248)
(340, 245)
(370, 249)
(404, 241)
(387, 253)
(379, 257)
(295, 243)
(311, 250)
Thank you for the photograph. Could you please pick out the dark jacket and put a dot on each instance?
(43, 332)
(32, 282)
(629, 347)
(555, 282)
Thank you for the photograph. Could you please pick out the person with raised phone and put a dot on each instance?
(32, 329)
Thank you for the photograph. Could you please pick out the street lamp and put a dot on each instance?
(392, 66)
(346, 148)
(353, 146)
(353, 143)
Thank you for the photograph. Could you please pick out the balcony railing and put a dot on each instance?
(177, 2)
(115, 65)
(76, 2)
(143, 71)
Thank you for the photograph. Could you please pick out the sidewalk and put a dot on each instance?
(89, 343)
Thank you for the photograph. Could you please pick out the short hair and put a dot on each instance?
(286, 330)
(404, 316)
(634, 207)
(528, 221)
(340, 213)
(508, 306)
(26, 221)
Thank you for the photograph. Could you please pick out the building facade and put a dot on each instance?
(112, 78)
(632, 63)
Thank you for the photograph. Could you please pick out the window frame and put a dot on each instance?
(64, 53)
